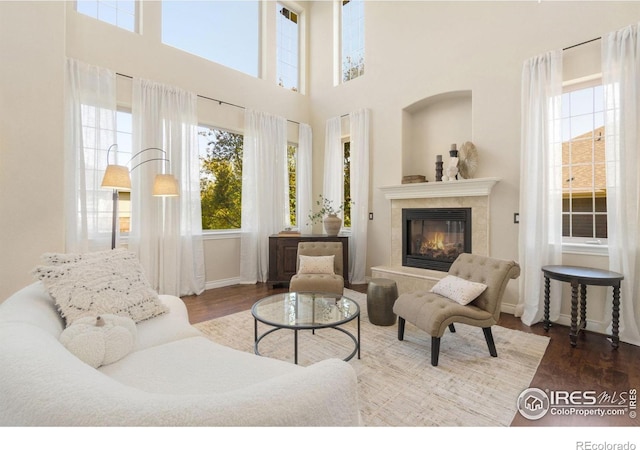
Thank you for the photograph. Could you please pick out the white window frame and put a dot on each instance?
(118, 12)
(344, 141)
(127, 154)
(298, 218)
(220, 233)
(339, 43)
(256, 71)
(300, 26)
(581, 245)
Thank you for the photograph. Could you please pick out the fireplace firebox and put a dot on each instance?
(432, 238)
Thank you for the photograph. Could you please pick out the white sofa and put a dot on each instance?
(174, 377)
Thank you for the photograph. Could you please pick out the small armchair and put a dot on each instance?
(434, 313)
(326, 278)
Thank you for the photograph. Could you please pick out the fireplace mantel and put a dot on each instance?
(473, 187)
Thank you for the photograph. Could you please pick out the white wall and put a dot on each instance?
(31, 137)
(35, 38)
(418, 50)
(414, 51)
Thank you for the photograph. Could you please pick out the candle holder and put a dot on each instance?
(439, 167)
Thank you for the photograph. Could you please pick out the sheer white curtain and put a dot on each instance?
(264, 191)
(167, 232)
(304, 177)
(333, 180)
(359, 132)
(621, 79)
(90, 130)
(540, 239)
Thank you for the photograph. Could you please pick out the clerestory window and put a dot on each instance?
(225, 32)
(121, 13)
(352, 39)
(288, 48)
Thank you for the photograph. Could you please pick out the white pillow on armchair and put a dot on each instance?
(316, 264)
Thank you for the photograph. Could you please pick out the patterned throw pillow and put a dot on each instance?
(56, 259)
(458, 289)
(316, 264)
(111, 283)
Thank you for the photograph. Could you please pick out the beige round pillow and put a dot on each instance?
(100, 340)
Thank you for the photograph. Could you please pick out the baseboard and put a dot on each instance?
(596, 326)
(221, 283)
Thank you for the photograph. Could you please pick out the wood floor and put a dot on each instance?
(592, 366)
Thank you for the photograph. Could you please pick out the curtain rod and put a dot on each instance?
(582, 43)
(220, 102)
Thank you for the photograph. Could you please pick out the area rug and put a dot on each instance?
(398, 386)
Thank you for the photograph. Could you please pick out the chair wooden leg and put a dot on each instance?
(452, 328)
(435, 350)
(489, 337)
(400, 328)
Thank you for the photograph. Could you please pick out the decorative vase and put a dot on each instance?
(332, 224)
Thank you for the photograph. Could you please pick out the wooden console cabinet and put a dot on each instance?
(283, 253)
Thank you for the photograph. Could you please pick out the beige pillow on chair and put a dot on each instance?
(316, 264)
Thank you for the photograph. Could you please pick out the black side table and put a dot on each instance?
(583, 276)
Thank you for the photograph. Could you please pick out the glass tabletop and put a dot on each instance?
(300, 310)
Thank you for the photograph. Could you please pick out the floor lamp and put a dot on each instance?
(118, 178)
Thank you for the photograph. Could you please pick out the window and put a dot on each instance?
(124, 133)
(352, 37)
(287, 48)
(120, 13)
(584, 193)
(220, 179)
(225, 32)
(292, 167)
(347, 184)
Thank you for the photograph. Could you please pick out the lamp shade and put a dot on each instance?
(165, 185)
(116, 177)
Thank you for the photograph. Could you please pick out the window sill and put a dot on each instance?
(585, 249)
(210, 235)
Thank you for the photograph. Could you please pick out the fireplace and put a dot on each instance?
(432, 238)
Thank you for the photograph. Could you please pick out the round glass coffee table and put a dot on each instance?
(306, 311)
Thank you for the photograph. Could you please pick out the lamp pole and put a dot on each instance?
(114, 220)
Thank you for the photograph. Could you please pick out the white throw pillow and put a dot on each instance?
(56, 259)
(458, 289)
(100, 340)
(114, 284)
(316, 264)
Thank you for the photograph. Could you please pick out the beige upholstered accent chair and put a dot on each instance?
(434, 313)
(319, 282)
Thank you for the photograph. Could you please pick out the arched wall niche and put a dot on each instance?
(430, 126)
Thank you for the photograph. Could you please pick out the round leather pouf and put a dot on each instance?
(381, 295)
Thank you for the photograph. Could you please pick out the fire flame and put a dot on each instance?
(436, 243)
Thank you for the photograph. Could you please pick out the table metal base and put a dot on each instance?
(258, 338)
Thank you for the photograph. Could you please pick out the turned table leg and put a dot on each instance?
(616, 316)
(583, 307)
(573, 334)
(547, 290)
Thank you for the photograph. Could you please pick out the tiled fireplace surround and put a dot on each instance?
(473, 193)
